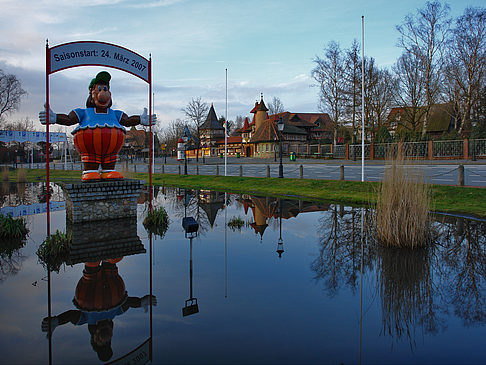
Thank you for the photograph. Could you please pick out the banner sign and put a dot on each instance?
(35, 137)
(87, 53)
(37, 208)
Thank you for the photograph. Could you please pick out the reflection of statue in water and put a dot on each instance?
(100, 296)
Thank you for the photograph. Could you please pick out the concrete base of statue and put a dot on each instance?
(102, 200)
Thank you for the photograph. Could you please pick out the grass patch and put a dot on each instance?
(157, 221)
(451, 199)
(54, 251)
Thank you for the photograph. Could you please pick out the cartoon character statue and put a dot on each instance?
(100, 133)
(100, 296)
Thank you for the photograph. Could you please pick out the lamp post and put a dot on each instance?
(280, 128)
(280, 249)
(185, 138)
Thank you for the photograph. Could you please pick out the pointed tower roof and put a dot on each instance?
(212, 120)
(262, 105)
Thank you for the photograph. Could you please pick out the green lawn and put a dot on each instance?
(452, 199)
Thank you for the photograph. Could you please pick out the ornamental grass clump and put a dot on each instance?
(157, 221)
(402, 216)
(54, 251)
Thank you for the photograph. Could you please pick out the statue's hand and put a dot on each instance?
(45, 324)
(145, 302)
(43, 117)
(144, 118)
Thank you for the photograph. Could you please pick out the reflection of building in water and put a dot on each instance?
(211, 202)
(264, 208)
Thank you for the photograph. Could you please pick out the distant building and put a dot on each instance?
(441, 120)
(261, 137)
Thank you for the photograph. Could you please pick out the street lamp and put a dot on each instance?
(185, 138)
(280, 128)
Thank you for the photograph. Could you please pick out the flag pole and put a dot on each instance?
(150, 131)
(226, 130)
(362, 102)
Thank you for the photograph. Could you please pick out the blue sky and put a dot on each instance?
(267, 47)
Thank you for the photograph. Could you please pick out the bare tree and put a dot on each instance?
(172, 133)
(410, 92)
(10, 94)
(425, 35)
(467, 66)
(329, 74)
(382, 98)
(353, 84)
(275, 106)
(197, 110)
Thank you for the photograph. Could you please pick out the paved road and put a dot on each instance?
(437, 172)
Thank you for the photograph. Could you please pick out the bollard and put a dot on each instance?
(241, 170)
(135, 168)
(163, 169)
(268, 171)
(179, 169)
(460, 175)
(197, 169)
(341, 172)
(301, 172)
(217, 170)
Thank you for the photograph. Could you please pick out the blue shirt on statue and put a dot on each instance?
(89, 118)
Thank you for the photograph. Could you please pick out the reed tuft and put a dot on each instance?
(21, 175)
(402, 216)
(5, 176)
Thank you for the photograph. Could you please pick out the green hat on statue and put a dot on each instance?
(103, 77)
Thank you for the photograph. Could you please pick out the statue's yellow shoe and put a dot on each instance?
(111, 175)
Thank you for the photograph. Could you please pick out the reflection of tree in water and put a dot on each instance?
(407, 292)
(463, 257)
(10, 265)
(339, 259)
(10, 257)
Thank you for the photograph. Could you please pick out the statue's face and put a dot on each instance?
(101, 96)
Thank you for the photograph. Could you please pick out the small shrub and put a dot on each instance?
(236, 223)
(157, 221)
(54, 251)
(13, 228)
(402, 217)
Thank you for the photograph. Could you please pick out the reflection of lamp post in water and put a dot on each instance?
(190, 228)
(280, 249)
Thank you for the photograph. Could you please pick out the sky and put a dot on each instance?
(266, 46)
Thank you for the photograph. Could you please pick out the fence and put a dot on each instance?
(427, 150)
